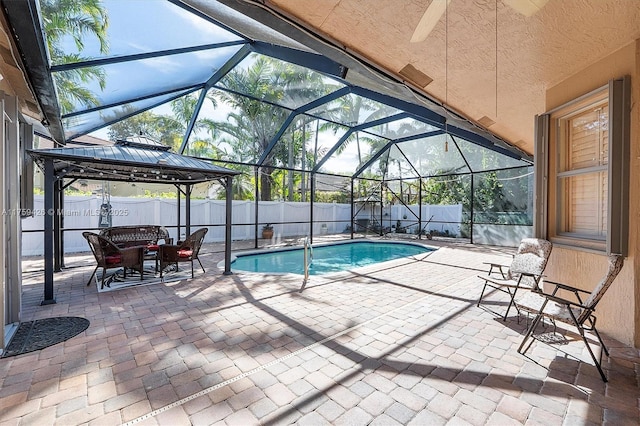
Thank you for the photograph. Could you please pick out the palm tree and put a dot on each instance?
(76, 19)
(252, 124)
(353, 110)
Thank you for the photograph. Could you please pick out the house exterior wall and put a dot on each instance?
(10, 222)
(619, 311)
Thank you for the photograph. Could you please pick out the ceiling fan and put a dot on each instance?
(438, 7)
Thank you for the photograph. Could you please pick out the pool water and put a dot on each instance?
(327, 258)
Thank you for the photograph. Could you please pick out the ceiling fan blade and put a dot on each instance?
(429, 20)
(526, 7)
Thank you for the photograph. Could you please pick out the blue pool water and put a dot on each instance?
(328, 258)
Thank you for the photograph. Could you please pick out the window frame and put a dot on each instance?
(548, 174)
(562, 121)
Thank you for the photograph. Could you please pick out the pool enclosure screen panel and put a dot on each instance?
(240, 128)
(354, 110)
(278, 82)
(137, 27)
(126, 81)
(83, 123)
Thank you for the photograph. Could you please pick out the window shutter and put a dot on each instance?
(541, 174)
(618, 179)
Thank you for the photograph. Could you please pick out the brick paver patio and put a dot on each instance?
(395, 343)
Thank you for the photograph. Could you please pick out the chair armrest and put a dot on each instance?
(576, 291)
(132, 254)
(563, 301)
(496, 265)
(493, 264)
(168, 251)
(528, 274)
(567, 287)
(536, 279)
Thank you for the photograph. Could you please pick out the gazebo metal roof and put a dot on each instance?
(131, 162)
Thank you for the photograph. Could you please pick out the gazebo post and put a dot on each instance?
(187, 200)
(61, 221)
(178, 199)
(49, 188)
(227, 226)
(58, 249)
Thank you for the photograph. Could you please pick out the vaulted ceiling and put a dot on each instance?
(492, 60)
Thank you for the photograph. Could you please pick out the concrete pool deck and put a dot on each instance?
(396, 343)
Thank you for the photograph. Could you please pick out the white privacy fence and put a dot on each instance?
(288, 218)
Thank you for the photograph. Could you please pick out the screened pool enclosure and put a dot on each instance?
(302, 121)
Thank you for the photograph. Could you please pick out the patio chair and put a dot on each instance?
(109, 256)
(573, 312)
(525, 270)
(187, 251)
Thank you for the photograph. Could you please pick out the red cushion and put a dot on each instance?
(153, 247)
(113, 259)
(185, 253)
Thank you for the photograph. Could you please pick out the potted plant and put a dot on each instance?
(267, 231)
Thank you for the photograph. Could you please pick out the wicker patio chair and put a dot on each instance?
(187, 251)
(573, 312)
(525, 270)
(109, 256)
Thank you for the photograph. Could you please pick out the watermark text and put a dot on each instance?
(63, 212)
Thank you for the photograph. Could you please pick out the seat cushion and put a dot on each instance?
(113, 259)
(185, 253)
(530, 302)
(560, 312)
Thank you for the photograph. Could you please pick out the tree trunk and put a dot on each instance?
(265, 183)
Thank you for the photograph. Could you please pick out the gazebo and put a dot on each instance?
(128, 161)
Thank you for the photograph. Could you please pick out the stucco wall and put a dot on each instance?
(618, 313)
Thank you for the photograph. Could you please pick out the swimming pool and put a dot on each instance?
(327, 258)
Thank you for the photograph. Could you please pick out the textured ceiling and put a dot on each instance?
(487, 58)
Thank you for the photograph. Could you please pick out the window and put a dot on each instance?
(582, 160)
(583, 150)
